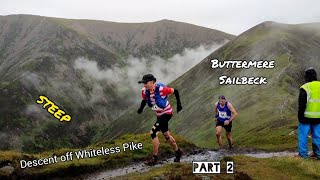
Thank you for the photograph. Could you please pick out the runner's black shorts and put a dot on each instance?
(227, 127)
(162, 123)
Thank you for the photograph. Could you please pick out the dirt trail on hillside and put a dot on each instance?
(205, 155)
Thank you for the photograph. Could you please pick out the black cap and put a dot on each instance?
(146, 78)
(310, 74)
(222, 97)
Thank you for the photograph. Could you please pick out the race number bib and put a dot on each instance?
(156, 108)
(223, 114)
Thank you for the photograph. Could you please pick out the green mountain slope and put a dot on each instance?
(162, 38)
(37, 57)
(113, 154)
(267, 113)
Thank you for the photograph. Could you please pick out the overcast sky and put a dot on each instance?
(231, 16)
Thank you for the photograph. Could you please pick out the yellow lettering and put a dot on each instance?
(48, 102)
(52, 109)
(41, 98)
(65, 118)
(58, 114)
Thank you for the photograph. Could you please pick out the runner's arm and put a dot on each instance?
(168, 91)
(215, 111)
(176, 93)
(143, 102)
(302, 105)
(234, 112)
(142, 105)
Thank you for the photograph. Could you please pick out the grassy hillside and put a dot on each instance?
(267, 113)
(38, 55)
(76, 167)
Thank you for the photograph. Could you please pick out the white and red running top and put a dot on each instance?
(164, 91)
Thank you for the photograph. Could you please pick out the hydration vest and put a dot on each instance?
(160, 102)
(313, 99)
(223, 113)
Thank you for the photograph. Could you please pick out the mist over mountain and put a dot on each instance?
(89, 69)
(125, 79)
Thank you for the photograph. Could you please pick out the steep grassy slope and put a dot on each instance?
(37, 57)
(267, 113)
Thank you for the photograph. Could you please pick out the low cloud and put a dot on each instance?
(165, 70)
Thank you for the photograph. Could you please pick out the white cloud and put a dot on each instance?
(164, 70)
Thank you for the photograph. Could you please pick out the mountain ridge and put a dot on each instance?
(38, 57)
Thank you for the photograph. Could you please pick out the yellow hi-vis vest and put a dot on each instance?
(313, 99)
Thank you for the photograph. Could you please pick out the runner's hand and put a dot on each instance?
(226, 122)
(139, 110)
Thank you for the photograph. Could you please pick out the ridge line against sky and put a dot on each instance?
(230, 16)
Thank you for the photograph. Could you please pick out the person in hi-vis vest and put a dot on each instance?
(309, 114)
